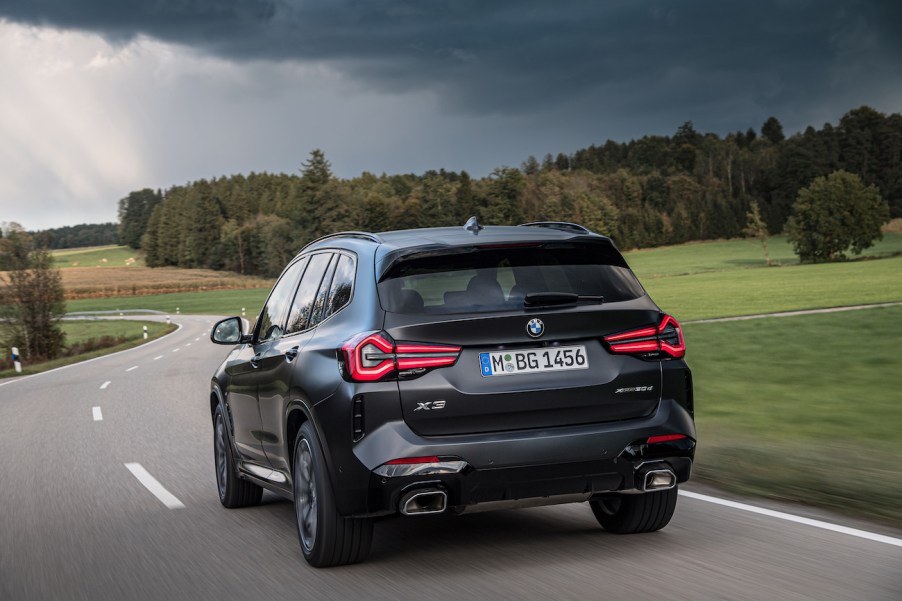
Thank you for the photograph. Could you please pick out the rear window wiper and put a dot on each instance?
(559, 298)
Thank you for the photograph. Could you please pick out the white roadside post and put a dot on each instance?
(177, 310)
(145, 332)
(242, 312)
(15, 357)
(168, 321)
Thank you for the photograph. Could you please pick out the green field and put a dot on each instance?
(766, 290)
(214, 302)
(97, 256)
(80, 331)
(729, 255)
(803, 408)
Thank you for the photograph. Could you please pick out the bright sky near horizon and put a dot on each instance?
(119, 95)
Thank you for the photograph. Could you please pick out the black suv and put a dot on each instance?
(453, 369)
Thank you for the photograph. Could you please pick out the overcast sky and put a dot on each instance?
(102, 97)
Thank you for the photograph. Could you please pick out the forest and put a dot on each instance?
(648, 192)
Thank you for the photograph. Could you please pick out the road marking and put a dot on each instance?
(197, 340)
(132, 368)
(175, 350)
(154, 486)
(105, 384)
(188, 344)
(880, 538)
(158, 357)
(98, 416)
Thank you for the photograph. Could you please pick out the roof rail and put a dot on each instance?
(361, 235)
(559, 225)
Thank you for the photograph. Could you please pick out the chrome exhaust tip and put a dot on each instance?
(423, 501)
(660, 479)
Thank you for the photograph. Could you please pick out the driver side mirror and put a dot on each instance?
(228, 331)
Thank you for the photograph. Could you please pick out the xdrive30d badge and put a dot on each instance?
(450, 370)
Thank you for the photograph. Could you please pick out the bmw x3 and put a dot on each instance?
(453, 370)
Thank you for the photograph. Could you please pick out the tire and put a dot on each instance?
(233, 491)
(326, 538)
(632, 514)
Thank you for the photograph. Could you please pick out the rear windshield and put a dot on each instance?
(497, 279)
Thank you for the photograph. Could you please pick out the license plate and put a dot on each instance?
(528, 361)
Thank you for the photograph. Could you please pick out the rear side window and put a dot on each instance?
(498, 279)
(342, 284)
(302, 307)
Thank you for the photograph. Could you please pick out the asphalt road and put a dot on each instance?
(76, 522)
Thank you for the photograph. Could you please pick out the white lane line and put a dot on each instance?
(880, 538)
(105, 384)
(175, 350)
(158, 357)
(188, 344)
(98, 416)
(132, 368)
(154, 486)
(197, 339)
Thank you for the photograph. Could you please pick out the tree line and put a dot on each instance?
(77, 236)
(647, 192)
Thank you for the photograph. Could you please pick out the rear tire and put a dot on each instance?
(632, 514)
(233, 491)
(326, 538)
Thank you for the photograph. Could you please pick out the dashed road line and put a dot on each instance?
(175, 350)
(158, 357)
(188, 344)
(98, 416)
(105, 384)
(132, 368)
(154, 486)
(880, 538)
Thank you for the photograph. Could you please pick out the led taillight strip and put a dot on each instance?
(650, 339)
(415, 356)
(372, 356)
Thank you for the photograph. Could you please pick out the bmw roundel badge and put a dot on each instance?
(535, 328)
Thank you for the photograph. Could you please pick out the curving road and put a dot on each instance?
(107, 492)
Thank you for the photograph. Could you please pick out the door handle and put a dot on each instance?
(291, 354)
(255, 362)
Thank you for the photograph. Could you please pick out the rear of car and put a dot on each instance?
(531, 368)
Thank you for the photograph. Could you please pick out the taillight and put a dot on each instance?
(369, 357)
(375, 356)
(652, 342)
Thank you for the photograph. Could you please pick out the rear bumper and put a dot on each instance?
(510, 466)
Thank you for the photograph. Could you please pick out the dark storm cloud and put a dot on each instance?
(512, 56)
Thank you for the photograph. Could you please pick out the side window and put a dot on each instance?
(342, 284)
(318, 314)
(302, 307)
(270, 326)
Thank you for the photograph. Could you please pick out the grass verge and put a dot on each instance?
(81, 331)
(803, 409)
(212, 302)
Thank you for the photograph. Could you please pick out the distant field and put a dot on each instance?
(97, 256)
(117, 271)
(728, 255)
(803, 408)
(213, 302)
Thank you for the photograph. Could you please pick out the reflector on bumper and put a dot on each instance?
(419, 466)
